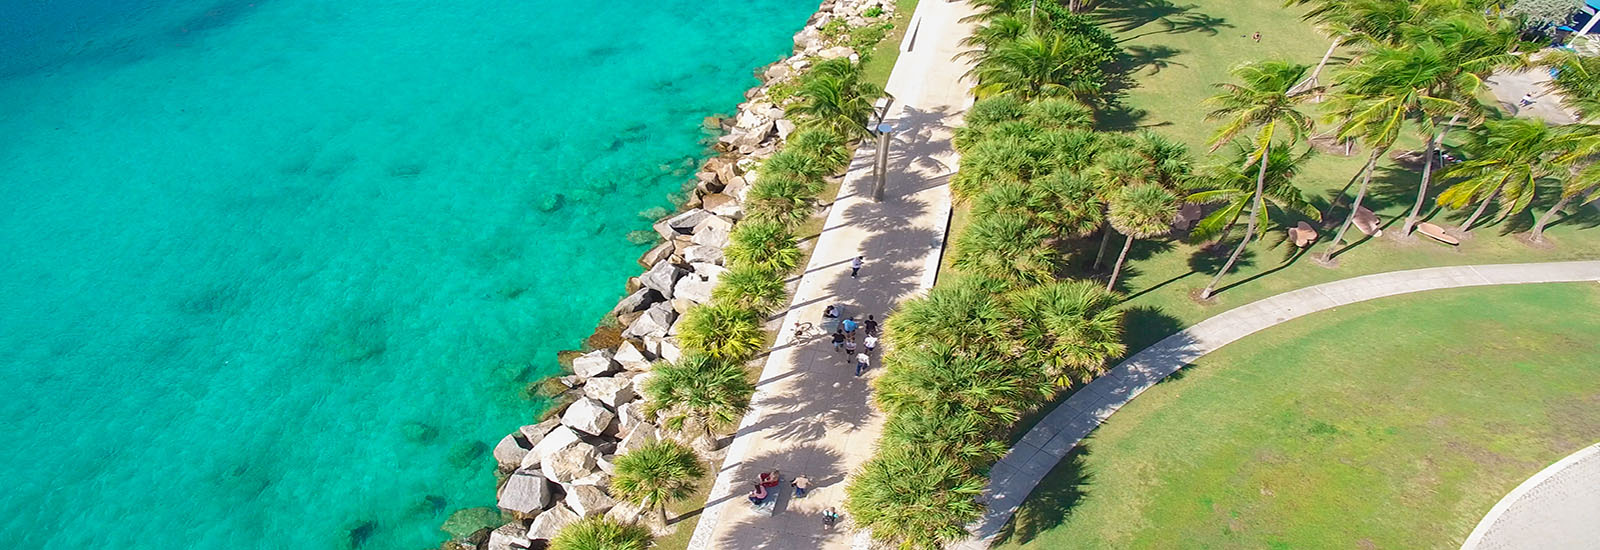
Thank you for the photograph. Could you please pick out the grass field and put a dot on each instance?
(1176, 54)
(1349, 428)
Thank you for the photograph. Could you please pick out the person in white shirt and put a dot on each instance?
(862, 362)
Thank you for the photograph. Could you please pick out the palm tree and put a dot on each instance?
(657, 474)
(1578, 79)
(1262, 101)
(830, 149)
(601, 533)
(944, 428)
(1059, 113)
(723, 331)
(698, 390)
(1580, 186)
(994, 160)
(751, 287)
(784, 199)
(1040, 64)
(1140, 212)
(794, 163)
(1579, 148)
(1232, 184)
(999, 390)
(1070, 329)
(915, 497)
(833, 97)
(1007, 248)
(762, 244)
(963, 314)
(1508, 158)
(1464, 49)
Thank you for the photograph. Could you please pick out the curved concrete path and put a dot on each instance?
(1559, 507)
(1037, 453)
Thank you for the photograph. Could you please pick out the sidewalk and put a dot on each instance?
(811, 415)
(1042, 447)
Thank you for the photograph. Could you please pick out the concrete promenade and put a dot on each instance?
(1559, 507)
(1042, 447)
(811, 415)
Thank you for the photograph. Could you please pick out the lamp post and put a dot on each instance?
(880, 167)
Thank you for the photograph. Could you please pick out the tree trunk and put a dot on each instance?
(661, 509)
(1538, 226)
(1467, 225)
(1427, 172)
(1120, 258)
(1099, 257)
(1361, 193)
(1250, 230)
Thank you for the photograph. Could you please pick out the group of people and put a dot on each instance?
(844, 338)
(768, 480)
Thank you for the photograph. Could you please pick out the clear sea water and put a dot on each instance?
(276, 273)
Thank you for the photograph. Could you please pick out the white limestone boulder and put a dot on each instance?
(575, 462)
(551, 522)
(663, 275)
(589, 500)
(526, 492)
(511, 536)
(655, 322)
(694, 288)
(559, 439)
(588, 416)
(609, 391)
(594, 363)
(631, 357)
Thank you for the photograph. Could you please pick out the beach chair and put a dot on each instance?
(1302, 235)
(1367, 222)
(1437, 233)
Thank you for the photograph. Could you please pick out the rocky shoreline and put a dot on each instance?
(558, 470)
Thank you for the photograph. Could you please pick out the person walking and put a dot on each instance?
(830, 517)
(862, 362)
(849, 326)
(849, 347)
(871, 325)
(838, 340)
(855, 265)
(1527, 99)
(870, 343)
(801, 485)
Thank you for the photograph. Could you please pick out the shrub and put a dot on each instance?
(698, 390)
(657, 474)
(781, 199)
(915, 497)
(763, 244)
(722, 331)
(796, 164)
(600, 533)
(873, 11)
(864, 38)
(751, 287)
(827, 147)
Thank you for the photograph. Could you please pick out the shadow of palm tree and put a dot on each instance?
(790, 525)
(1052, 502)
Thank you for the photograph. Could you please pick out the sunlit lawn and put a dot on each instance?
(1395, 423)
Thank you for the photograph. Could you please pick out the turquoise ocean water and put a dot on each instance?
(275, 274)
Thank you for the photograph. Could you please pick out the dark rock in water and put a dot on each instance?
(417, 432)
(430, 505)
(550, 203)
(361, 532)
(468, 521)
(467, 452)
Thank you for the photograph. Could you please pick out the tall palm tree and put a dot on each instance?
(698, 390)
(1069, 329)
(938, 374)
(1579, 153)
(1578, 79)
(601, 533)
(915, 497)
(1140, 212)
(1232, 184)
(763, 244)
(657, 474)
(1508, 159)
(1468, 48)
(723, 331)
(833, 97)
(1262, 101)
(751, 287)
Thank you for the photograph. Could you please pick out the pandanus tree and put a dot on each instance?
(833, 97)
(1007, 248)
(964, 314)
(657, 474)
(722, 330)
(915, 497)
(751, 287)
(1140, 212)
(1260, 100)
(698, 390)
(927, 377)
(1508, 160)
(763, 244)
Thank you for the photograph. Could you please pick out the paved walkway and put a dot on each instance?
(1042, 447)
(811, 415)
(1559, 507)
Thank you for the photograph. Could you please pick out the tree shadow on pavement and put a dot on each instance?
(791, 523)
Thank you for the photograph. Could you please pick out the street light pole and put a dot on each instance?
(880, 168)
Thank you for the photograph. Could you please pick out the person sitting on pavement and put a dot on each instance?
(757, 495)
(770, 479)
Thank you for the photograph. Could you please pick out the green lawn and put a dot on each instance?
(1395, 423)
(1177, 52)
(878, 63)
